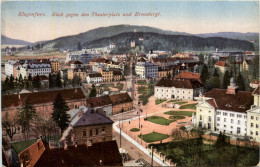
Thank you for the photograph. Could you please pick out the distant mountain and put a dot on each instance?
(157, 41)
(9, 41)
(71, 42)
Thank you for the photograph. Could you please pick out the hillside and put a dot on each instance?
(9, 41)
(157, 41)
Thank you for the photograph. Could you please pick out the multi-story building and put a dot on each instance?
(224, 110)
(10, 66)
(146, 70)
(164, 73)
(107, 75)
(253, 117)
(82, 56)
(188, 75)
(35, 69)
(117, 75)
(42, 101)
(222, 66)
(94, 78)
(77, 69)
(55, 65)
(120, 103)
(116, 65)
(178, 89)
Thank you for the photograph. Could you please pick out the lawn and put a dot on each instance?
(176, 117)
(141, 82)
(192, 153)
(119, 86)
(134, 130)
(107, 86)
(189, 106)
(180, 102)
(20, 146)
(184, 113)
(171, 101)
(158, 101)
(159, 120)
(152, 137)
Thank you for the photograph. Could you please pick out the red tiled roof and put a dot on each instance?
(120, 98)
(179, 83)
(80, 155)
(256, 91)
(221, 63)
(98, 101)
(188, 75)
(212, 102)
(239, 102)
(41, 97)
(255, 82)
(75, 62)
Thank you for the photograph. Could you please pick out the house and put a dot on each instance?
(94, 78)
(163, 73)
(115, 65)
(55, 65)
(188, 75)
(253, 117)
(146, 70)
(225, 110)
(246, 64)
(178, 89)
(10, 67)
(120, 102)
(40, 154)
(103, 102)
(79, 72)
(107, 75)
(88, 126)
(222, 66)
(76, 64)
(82, 56)
(35, 69)
(117, 75)
(42, 101)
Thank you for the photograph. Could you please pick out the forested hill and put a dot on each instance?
(157, 41)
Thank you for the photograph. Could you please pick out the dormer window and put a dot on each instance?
(228, 105)
(242, 106)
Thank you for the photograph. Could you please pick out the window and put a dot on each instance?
(239, 116)
(238, 122)
(90, 132)
(252, 117)
(256, 133)
(256, 125)
(232, 115)
(218, 124)
(256, 118)
(218, 118)
(209, 111)
(84, 133)
(252, 125)
(200, 117)
(238, 130)
(231, 127)
(218, 113)
(209, 118)
(225, 119)
(251, 133)
(96, 131)
(225, 126)
(103, 131)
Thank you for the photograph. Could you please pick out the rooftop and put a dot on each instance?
(221, 63)
(180, 83)
(188, 75)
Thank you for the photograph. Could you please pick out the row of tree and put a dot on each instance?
(29, 121)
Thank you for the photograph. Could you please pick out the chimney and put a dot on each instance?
(232, 89)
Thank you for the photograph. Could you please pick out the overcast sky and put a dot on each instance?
(191, 17)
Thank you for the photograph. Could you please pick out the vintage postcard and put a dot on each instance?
(130, 83)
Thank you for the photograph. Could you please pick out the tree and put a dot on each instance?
(5, 85)
(240, 82)
(215, 74)
(11, 82)
(93, 91)
(79, 46)
(204, 74)
(21, 82)
(168, 75)
(59, 115)
(58, 82)
(25, 116)
(222, 140)
(51, 82)
(201, 58)
(213, 82)
(226, 80)
(9, 125)
(36, 82)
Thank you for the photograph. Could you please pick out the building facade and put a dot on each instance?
(146, 70)
(177, 89)
(35, 69)
(94, 78)
(82, 56)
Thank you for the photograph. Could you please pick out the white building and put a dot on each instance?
(94, 78)
(177, 89)
(253, 117)
(146, 70)
(9, 67)
(82, 56)
(224, 110)
(35, 69)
